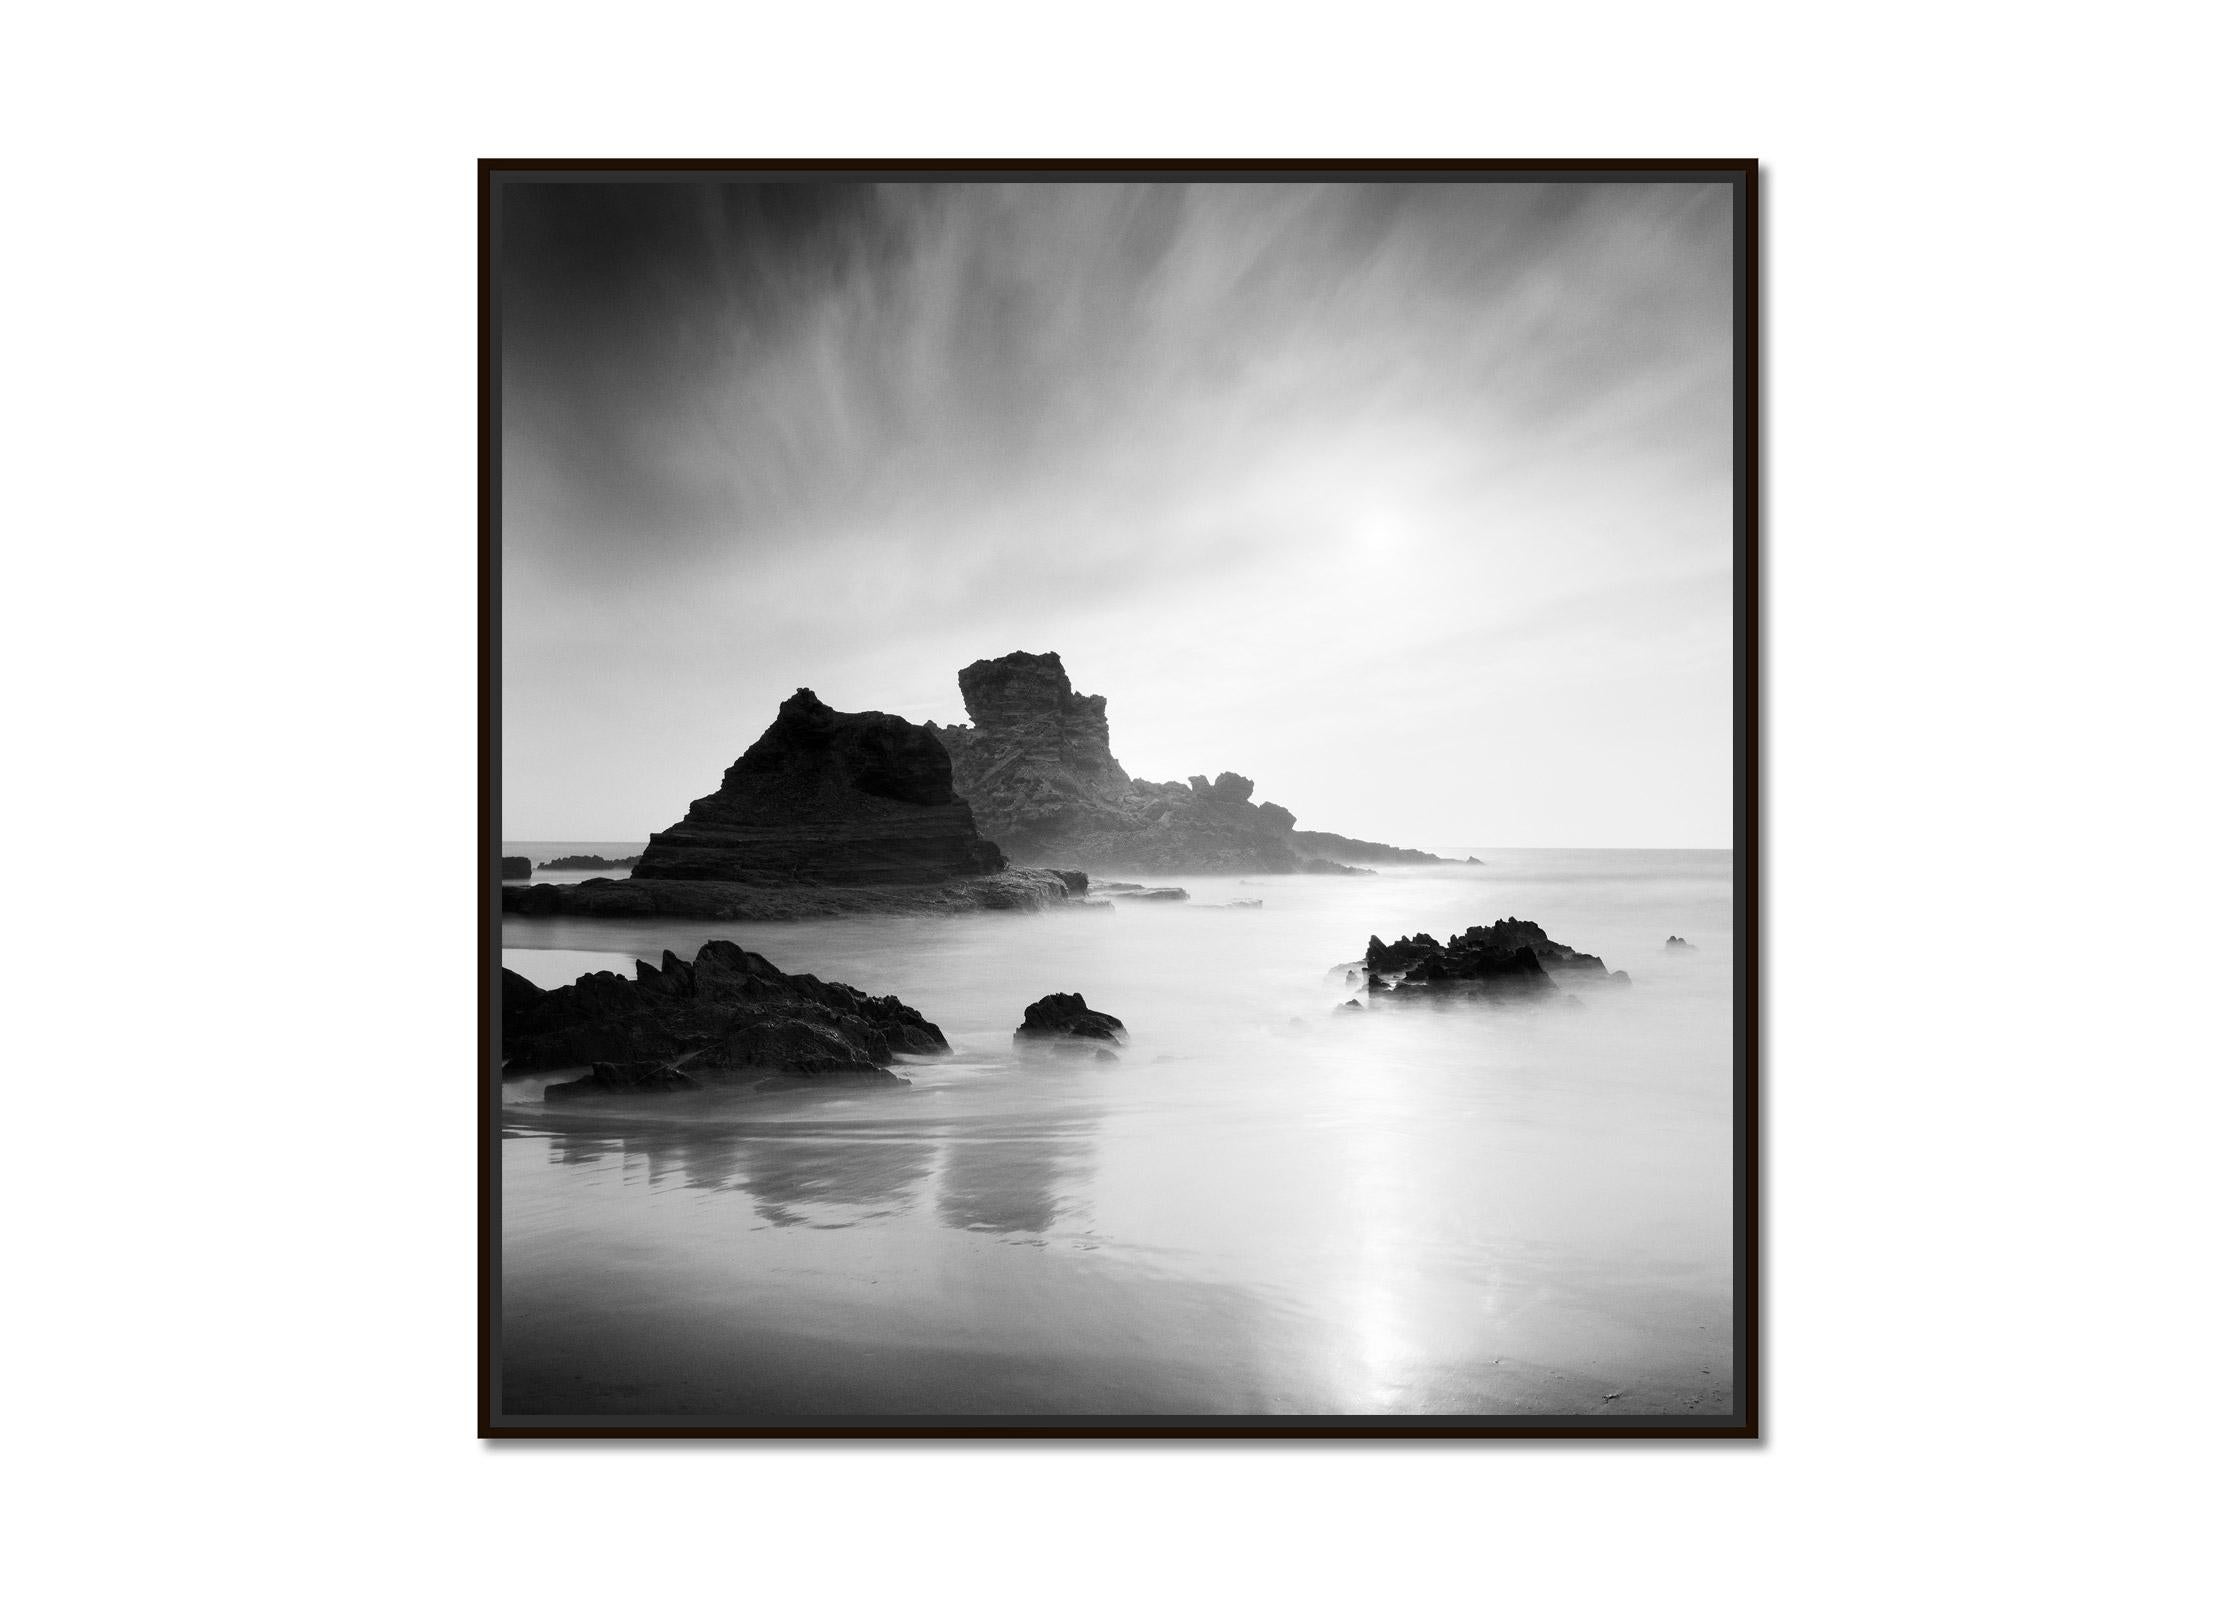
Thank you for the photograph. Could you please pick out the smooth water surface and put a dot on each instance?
(1269, 1205)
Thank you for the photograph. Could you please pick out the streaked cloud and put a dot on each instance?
(1397, 498)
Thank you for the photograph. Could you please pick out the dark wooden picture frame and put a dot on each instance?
(1744, 1422)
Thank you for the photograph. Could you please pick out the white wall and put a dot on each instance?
(2001, 790)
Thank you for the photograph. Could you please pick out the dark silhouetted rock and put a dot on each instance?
(624, 1077)
(1677, 946)
(830, 798)
(1512, 933)
(1014, 889)
(1059, 1017)
(1510, 957)
(1036, 763)
(725, 1015)
(1402, 955)
(513, 866)
(587, 863)
(1362, 852)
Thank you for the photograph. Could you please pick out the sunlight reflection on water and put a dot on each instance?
(1269, 1205)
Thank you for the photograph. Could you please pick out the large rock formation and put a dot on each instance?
(725, 1015)
(833, 798)
(1036, 764)
(1037, 761)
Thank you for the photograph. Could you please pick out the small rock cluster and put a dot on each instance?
(1511, 957)
(727, 1014)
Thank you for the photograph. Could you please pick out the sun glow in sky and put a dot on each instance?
(1413, 503)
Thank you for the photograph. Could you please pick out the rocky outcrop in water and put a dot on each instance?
(1066, 1018)
(1014, 889)
(1677, 946)
(830, 798)
(725, 1016)
(1510, 957)
(513, 866)
(1363, 852)
(587, 863)
(1036, 764)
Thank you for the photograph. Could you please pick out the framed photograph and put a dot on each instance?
(1119, 799)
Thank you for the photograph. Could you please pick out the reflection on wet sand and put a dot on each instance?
(818, 1175)
(1017, 1175)
(1268, 1205)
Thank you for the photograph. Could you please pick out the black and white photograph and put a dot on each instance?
(1198, 800)
(1119, 800)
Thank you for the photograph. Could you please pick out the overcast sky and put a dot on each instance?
(1412, 504)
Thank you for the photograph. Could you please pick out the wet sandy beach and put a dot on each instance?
(1266, 1208)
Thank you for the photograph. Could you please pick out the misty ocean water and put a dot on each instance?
(1270, 1205)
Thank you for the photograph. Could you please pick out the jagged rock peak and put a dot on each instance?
(812, 752)
(1019, 686)
(1025, 707)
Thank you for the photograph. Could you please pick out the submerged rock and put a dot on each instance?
(1059, 1018)
(583, 863)
(725, 1015)
(513, 866)
(828, 798)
